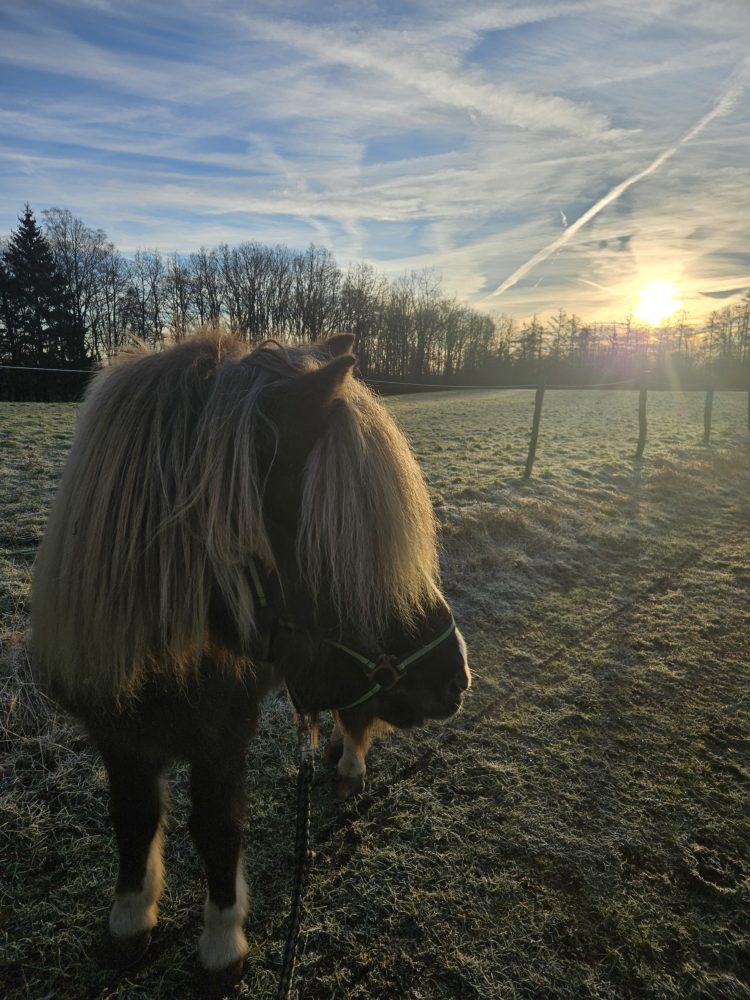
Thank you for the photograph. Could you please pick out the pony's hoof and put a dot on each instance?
(215, 984)
(127, 951)
(347, 788)
(333, 751)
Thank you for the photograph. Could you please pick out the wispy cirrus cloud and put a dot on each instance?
(460, 139)
(725, 103)
(413, 67)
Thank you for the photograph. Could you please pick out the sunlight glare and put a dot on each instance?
(656, 301)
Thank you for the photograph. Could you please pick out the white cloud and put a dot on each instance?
(415, 67)
(287, 125)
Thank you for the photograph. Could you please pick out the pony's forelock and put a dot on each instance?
(367, 531)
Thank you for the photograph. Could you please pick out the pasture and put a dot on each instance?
(581, 830)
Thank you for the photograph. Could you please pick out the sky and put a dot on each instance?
(535, 154)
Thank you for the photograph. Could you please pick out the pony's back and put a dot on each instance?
(122, 574)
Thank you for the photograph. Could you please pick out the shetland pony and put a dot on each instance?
(230, 519)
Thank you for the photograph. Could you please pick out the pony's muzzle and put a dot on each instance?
(458, 687)
(457, 684)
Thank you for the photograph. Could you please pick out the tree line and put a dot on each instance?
(70, 299)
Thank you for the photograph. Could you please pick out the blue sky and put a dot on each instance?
(536, 153)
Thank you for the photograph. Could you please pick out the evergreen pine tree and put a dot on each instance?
(8, 350)
(37, 313)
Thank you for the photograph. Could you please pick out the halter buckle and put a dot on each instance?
(386, 662)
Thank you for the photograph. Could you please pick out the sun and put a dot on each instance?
(656, 301)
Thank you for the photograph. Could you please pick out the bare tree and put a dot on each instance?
(111, 330)
(144, 301)
(177, 293)
(207, 287)
(317, 279)
(81, 256)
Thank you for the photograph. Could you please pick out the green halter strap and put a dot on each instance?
(387, 662)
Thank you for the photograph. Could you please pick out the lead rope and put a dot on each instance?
(302, 856)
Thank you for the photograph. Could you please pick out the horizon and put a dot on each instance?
(573, 156)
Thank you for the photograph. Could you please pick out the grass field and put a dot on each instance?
(581, 830)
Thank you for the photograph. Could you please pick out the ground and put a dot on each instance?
(579, 831)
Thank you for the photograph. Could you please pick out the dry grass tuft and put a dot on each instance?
(26, 711)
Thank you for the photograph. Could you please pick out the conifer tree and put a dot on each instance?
(8, 349)
(37, 314)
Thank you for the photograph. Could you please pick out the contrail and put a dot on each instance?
(593, 284)
(722, 107)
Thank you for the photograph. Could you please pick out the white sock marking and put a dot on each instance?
(223, 942)
(136, 911)
(352, 761)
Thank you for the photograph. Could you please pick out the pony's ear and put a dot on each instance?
(303, 405)
(323, 383)
(340, 343)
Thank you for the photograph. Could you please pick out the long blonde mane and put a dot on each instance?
(161, 504)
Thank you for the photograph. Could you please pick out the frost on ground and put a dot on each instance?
(591, 520)
(581, 830)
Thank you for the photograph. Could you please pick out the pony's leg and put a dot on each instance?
(354, 740)
(137, 807)
(216, 821)
(335, 745)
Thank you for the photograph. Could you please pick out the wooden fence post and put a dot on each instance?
(707, 413)
(538, 400)
(642, 423)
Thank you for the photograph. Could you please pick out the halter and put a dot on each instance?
(388, 664)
